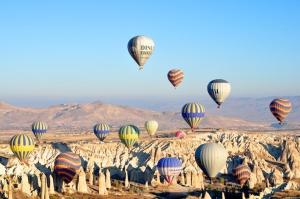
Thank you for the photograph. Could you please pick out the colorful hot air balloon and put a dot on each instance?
(38, 129)
(22, 145)
(242, 173)
(129, 135)
(140, 49)
(101, 131)
(169, 168)
(180, 134)
(175, 76)
(151, 127)
(211, 158)
(67, 165)
(193, 114)
(280, 108)
(219, 90)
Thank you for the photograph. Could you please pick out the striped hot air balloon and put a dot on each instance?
(39, 129)
(242, 173)
(193, 114)
(140, 48)
(219, 90)
(151, 127)
(101, 131)
(22, 145)
(67, 165)
(280, 108)
(175, 76)
(129, 135)
(169, 168)
(180, 134)
(211, 158)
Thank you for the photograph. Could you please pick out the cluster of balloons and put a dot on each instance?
(210, 157)
(142, 47)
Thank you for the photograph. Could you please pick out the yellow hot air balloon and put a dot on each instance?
(140, 49)
(22, 145)
(129, 135)
(151, 127)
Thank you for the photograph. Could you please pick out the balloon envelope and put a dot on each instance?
(140, 48)
(169, 168)
(39, 129)
(129, 135)
(280, 108)
(193, 114)
(67, 165)
(180, 134)
(211, 158)
(151, 127)
(242, 173)
(175, 76)
(22, 145)
(101, 131)
(219, 90)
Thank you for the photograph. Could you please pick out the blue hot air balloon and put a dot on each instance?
(101, 131)
(169, 168)
(193, 113)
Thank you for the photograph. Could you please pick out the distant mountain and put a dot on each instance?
(83, 116)
(250, 109)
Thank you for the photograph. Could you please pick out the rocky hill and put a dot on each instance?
(84, 116)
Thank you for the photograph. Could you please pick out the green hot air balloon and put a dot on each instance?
(219, 90)
(129, 135)
(22, 146)
(211, 158)
(151, 127)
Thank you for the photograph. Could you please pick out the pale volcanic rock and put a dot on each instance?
(262, 152)
(276, 177)
(25, 186)
(81, 185)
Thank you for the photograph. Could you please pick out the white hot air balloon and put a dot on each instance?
(219, 90)
(140, 49)
(211, 158)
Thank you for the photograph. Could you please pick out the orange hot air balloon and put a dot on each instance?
(280, 108)
(242, 173)
(175, 76)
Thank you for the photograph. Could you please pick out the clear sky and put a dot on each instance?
(78, 49)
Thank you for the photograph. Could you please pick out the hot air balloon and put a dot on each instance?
(219, 90)
(140, 49)
(38, 129)
(129, 135)
(180, 134)
(101, 131)
(193, 114)
(22, 145)
(67, 165)
(151, 127)
(211, 158)
(242, 173)
(175, 76)
(280, 108)
(169, 168)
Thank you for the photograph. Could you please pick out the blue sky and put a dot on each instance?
(77, 50)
